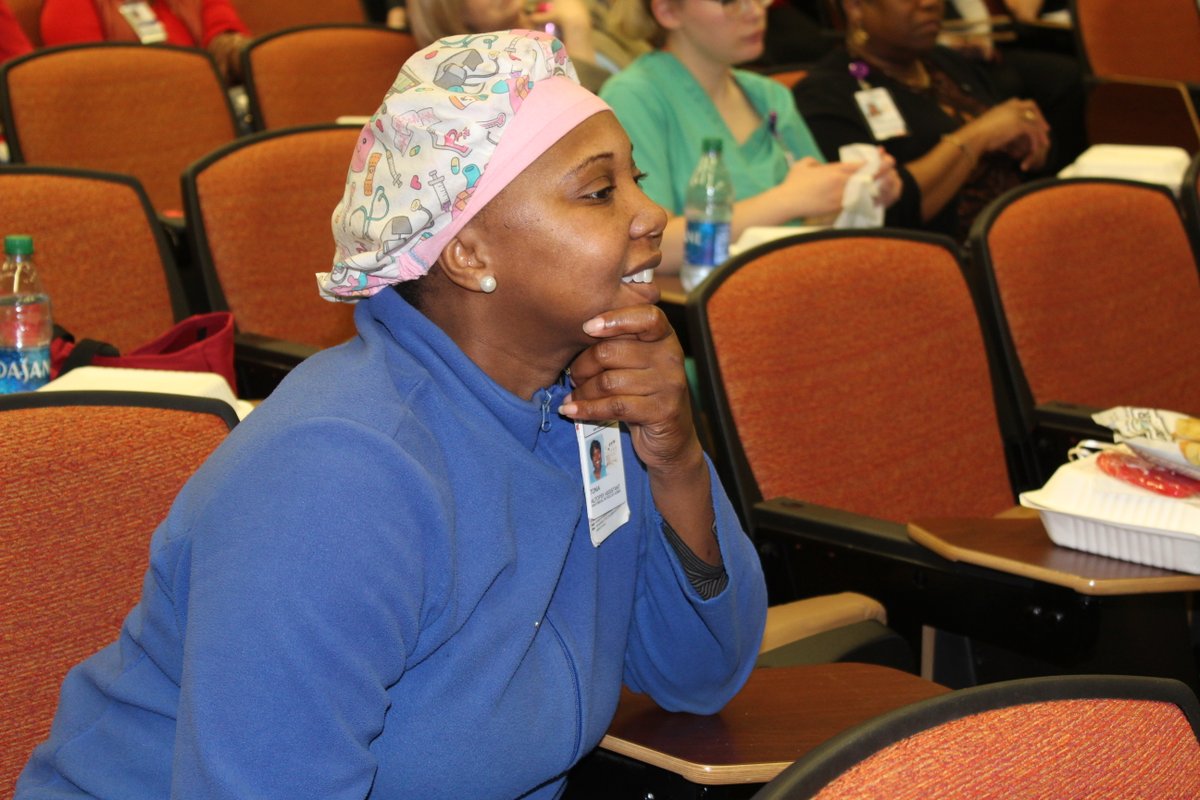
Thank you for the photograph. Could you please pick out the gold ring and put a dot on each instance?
(1029, 115)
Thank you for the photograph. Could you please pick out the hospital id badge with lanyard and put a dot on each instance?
(603, 478)
(144, 21)
(881, 113)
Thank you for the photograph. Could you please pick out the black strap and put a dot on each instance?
(83, 352)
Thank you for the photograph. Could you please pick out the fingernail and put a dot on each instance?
(568, 409)
(594, 325)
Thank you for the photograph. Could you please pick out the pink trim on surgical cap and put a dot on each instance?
(554, 108)
(464, 117)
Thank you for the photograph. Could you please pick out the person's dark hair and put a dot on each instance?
(595, 448)
(412, 292)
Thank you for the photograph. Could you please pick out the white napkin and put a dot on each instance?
(859, 206)
(756, 235)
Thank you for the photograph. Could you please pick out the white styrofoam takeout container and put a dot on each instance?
(1087, 510)
(1149, 163)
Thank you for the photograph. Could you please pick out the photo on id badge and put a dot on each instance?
(603, 478)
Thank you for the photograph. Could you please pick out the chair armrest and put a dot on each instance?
(1141, 111)
(799, 619)
(1045, 35)
(262, 362)
(1057, 428)
(177, 235)
(825, 550)
(1013, 626)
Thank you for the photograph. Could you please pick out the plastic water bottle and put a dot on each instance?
(25, 325)
(709, 210)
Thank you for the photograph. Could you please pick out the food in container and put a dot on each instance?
(1139, 471)
(1086, 509)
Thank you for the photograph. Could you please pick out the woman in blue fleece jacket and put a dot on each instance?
(395, 578)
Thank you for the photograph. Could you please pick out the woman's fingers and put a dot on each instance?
(634, 374)
(644, 322)
(1037, 134)
(813, 189)
(613, 377)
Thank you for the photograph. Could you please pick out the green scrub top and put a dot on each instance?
(667, 115)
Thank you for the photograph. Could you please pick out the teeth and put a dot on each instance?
(645, 276)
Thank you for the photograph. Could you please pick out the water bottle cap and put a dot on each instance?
(711, 146)
(18, 245)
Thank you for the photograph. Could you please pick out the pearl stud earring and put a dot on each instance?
(487, 283)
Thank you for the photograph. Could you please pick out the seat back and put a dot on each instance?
(317, 73)
(1103, 737)
(259, 211)
(101, 254)
(268, 16)
(85, 477)
(127, 108)
(1123, 110)
(788, 76)
(1093, 290)
(847, 369)
(1154, 39)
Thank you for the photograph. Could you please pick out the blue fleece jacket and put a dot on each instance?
(382, 585)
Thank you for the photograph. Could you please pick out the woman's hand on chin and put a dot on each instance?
(634, 374)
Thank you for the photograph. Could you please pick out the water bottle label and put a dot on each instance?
(23, 370)
(706, 243)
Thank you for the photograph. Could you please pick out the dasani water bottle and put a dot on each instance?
(25, 325)
(708, 209)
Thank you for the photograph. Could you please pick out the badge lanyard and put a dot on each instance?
(877, 106)
(144, 21)
(603, 478)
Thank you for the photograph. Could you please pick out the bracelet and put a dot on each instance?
(956, 140)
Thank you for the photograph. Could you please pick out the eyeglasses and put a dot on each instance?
(733, 7)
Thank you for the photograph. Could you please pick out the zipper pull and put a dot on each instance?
(546, 410)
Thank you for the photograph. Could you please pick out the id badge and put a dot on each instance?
(881, 113)
(603, 478)
(144, 22)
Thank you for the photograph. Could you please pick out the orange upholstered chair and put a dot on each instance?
(259, 213)
(848, 384)
(848, 370)
(85, 477)
(1099, 737)
(317, 73)
(102, 254)
(268, 16)
(1152, 39)
(1145, 111)
(1092, 290)
(788, 76)
(127, 108)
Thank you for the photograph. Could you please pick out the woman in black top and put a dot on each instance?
(956, 147)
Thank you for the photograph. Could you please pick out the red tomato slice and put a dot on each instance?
(1146, 474)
